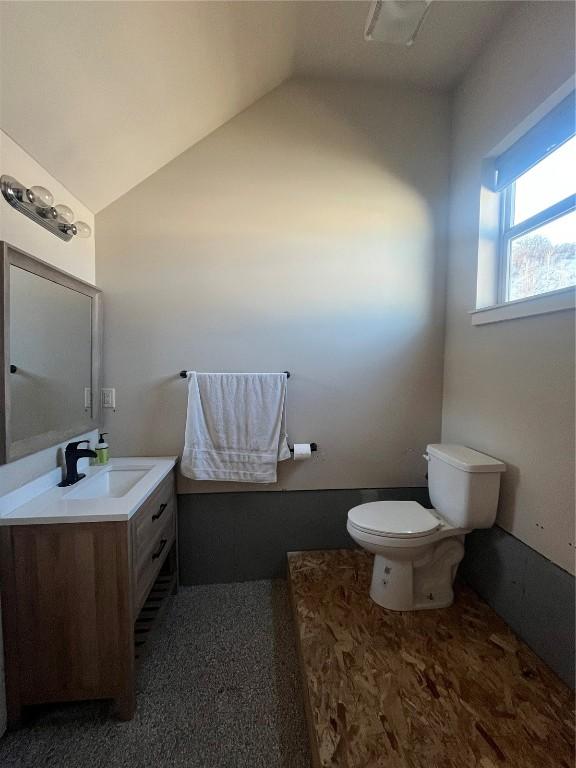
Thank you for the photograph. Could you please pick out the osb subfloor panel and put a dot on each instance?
(450, 688)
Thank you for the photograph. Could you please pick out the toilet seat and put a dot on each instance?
(394, 519)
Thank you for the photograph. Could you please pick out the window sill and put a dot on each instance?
(554, 301)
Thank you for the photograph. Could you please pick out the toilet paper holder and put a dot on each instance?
(313, 447)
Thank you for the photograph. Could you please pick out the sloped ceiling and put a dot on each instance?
(103, 94)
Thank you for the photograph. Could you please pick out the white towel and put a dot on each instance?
(235, 426)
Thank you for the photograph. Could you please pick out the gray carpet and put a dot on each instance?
(219, 688)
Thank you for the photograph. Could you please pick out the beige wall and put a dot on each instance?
(509, 386)
(305, 234)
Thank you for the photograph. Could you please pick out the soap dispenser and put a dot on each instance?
(102, 450)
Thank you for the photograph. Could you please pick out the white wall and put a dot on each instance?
(509, 386)
(76, 257)
(305, 235)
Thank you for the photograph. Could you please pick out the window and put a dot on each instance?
(536, 182)
(538, 227)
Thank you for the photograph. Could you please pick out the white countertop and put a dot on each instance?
(42, 501)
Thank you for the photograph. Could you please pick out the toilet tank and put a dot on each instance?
(463, 485)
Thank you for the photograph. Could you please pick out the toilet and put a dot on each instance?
(417, 550)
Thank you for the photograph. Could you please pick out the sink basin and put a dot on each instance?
(111, 484)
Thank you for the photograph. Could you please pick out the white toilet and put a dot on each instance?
(417, 550)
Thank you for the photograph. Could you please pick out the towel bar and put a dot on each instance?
(184, 374)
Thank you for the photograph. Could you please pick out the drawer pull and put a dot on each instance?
(160, 511)
(158, 552)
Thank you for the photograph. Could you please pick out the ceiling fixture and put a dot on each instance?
(395, 21)
(38, 204)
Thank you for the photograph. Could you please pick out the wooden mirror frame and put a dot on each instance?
(12, 450)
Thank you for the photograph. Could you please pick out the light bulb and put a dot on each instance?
(47, 213)
(82, 229)
(65, 213)
(40, 196)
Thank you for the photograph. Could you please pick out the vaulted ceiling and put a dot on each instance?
(103, 94)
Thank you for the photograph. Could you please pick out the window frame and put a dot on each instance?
(509, 231)
(547, 127)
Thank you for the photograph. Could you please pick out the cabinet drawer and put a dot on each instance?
(153, 533)
(152, 517)
(148, 544)
(153, 558)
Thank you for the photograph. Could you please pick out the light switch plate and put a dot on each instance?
(108, 397)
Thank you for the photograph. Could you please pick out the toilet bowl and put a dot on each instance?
(414, 564)
(417, 550)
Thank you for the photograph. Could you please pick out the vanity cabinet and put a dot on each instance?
(71, 596)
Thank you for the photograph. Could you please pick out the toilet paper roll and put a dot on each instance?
(302, 451)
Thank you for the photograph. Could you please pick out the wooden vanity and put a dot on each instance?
(72, 593)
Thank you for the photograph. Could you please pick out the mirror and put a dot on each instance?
(51, 355)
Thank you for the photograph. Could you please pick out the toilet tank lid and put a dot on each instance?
(465, 458)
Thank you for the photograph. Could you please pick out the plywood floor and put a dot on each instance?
(451, 688)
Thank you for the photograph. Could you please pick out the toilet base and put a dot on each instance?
(421, 584)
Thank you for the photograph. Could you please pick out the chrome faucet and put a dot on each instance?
(71, 455)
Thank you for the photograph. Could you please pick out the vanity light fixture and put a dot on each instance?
(38, 204)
